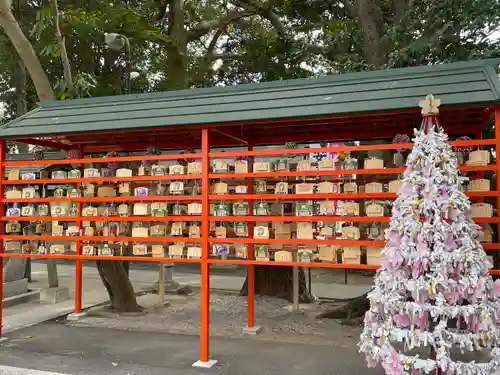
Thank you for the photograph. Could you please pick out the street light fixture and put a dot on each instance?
(118, 42)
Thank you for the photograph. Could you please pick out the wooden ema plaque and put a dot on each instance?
(350, 209)
(327, 187)
(262, 167)
(240, 166)
(283, 256)
(303, 166)
(374, 163)
(374, 209)
(194, 168)
(479, 157)
(350, 188)
(124, 172)
(395, 186)
(327, 253)
(324, 165)
(351, 254)
(373, 187)
(482, 210)
(373, 255)
(479, 185)
(351, 233)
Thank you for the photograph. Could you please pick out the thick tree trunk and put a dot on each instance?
(120, 290)
(370, 16)
(277, 281)
(177, 58)
(25, 51)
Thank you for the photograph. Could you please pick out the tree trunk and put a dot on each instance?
(177, 59)
(277, 281)
(370, 16)
(61, 40)
(25, 51)
(120, 290)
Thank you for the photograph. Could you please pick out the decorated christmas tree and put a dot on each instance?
(433, 295)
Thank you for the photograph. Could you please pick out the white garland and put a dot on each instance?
(433, 269)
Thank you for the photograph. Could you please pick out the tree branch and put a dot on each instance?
(265, 12)
(25, 51)
(61, 40)
(205, 27)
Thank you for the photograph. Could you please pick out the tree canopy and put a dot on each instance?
(177, 44)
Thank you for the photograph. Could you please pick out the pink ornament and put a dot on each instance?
(497, 288)
(393, 365)
(422, 321)
(401, 320)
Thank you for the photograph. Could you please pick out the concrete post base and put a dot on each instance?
(3, 339)
(253, 331)
(54, 295)
(209, 364)
(75, 317)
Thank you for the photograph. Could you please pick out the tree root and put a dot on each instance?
(351, 314)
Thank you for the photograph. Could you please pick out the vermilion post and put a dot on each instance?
(2, 213)
(251, 253)
(497, 153)
(79, 262)
(205, 248)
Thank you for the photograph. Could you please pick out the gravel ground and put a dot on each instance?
(228, 314)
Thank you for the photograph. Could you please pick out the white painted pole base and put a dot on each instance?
(75, 317)
(252, 331)
(209, 364)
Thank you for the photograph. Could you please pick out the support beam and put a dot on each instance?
(3, 151)
(204, 361)
(45, 143)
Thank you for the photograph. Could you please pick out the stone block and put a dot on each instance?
(54, 295)
(14, 288)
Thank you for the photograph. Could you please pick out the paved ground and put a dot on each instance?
(325, 283)
(84, 351)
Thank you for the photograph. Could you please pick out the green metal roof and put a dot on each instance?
(471, 83)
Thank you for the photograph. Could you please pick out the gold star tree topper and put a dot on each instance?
(430, 106)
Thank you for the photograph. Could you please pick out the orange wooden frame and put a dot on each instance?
(205, 218)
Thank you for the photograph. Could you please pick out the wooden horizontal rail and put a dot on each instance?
(101, 257)
(103, 160)
(298, 241)
(333, 172)
(102, 218)
(174, 198)
(89, 180)
(163, 198)
(349, 219)
(318, 196)
(197, 260)
(99, 238)
(382, 147)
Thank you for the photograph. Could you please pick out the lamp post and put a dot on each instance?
(118, 42)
